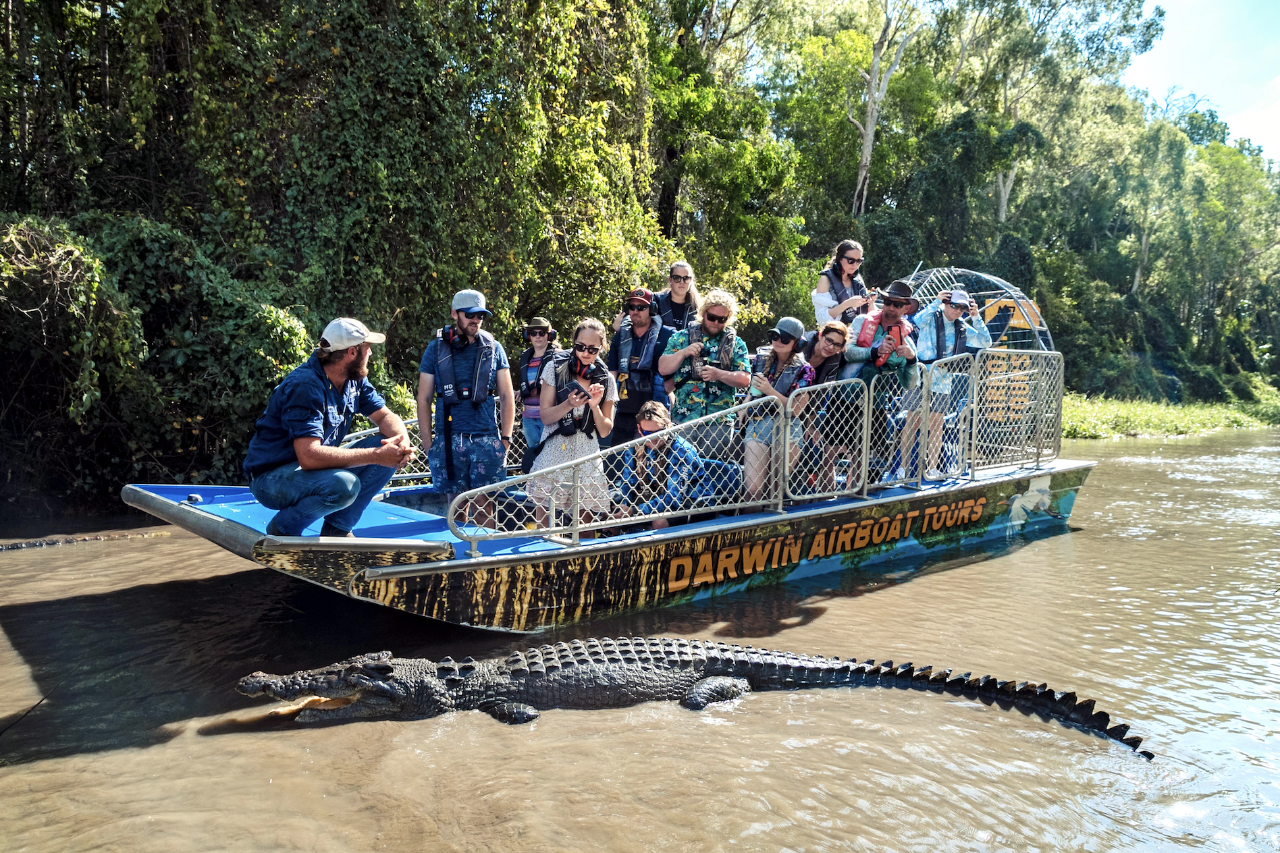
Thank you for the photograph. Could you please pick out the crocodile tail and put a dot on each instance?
(773, 670)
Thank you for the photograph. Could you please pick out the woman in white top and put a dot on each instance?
(841, 294)
(577, 393)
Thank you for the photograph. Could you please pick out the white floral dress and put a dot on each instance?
(594, 487)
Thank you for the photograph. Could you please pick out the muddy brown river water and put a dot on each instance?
(121, 730)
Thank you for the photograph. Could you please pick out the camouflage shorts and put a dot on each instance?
(478, 460)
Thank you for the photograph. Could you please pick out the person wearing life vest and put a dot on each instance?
(834, 418)
(708, 362)
(463, 369)
(945, 328)
(841, 294)
(662, 474)
(542, 345)
(882, 344)
(578, 397)
(783, 372)
(677, 306)
(633, 362)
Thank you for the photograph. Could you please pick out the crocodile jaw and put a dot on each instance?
(363, 686)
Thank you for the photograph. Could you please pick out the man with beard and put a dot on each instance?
(463, 369)
(295, 464)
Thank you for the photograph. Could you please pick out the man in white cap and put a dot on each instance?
(295, 464)
(462, 370)
(946, 327)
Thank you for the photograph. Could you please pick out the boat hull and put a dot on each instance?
(689, 564)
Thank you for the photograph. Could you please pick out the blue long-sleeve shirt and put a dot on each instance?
(684, 475)
(976, 334)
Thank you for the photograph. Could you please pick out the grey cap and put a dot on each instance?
(469, 300)
(789, 326)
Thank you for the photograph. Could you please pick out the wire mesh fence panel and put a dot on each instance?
(892, 458)
(1017, 408)
(943, 418)
(729, 461)
(828, 460)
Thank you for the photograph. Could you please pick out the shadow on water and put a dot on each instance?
(128, 668)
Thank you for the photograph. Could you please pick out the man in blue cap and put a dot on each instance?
(462, 370)
(295, 464)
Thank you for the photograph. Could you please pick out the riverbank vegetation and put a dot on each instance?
(1101, 417)
(191, 189)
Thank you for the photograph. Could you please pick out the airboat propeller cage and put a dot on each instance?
(995, 299)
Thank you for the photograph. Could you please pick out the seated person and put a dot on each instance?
(661, 475)
(295, 464)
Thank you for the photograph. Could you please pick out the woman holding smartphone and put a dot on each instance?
(785, 370)
(841, 294)
(576, 406)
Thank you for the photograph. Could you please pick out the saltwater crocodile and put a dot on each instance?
(616, 673)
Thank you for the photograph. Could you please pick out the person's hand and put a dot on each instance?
(389, 453)
(886, 346)
(761, 384)
(693, 349)
(857, 301)
(577, 396)
(595, 392)
(905, 351)
(624, 511)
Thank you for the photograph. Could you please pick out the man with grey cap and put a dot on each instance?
(295, 464)
(461, 371)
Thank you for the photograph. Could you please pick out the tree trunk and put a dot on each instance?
(1142, 259)
(24, 74)
(877, 82)
(669, 195)
(103, 69)
(1004, 186)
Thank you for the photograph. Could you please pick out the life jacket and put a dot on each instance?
(640, 380)
(566, 381)
(724, 355)
(840, 293)
(667, 312)
(867, 334)
(481, 383)
(788, 375)
(940, 328)
(830, 368)
(532, 389)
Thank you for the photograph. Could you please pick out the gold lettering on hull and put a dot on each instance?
(734, 562)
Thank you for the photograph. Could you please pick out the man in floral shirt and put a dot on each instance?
(709, 363)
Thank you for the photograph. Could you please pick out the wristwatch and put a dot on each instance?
(506, 438)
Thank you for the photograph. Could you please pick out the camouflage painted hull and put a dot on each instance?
(532, 592)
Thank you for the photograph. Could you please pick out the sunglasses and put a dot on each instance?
(780, 336)
(852, 260)
(586, 348)
(644, 433)
(675, 277)
(471, 315)
(716, 318)
(536, 333)
(635, 306)
(831, 343)
(894, 303)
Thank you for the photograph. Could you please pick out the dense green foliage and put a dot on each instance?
(191, 189)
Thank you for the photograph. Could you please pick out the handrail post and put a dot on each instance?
(922, 433)
(782, 423)
(576, 503)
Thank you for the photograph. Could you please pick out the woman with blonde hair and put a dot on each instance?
(678, 304)
(576, 405)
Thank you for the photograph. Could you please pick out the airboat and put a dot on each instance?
(853, 495)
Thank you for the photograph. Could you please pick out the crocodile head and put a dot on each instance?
(372, 685)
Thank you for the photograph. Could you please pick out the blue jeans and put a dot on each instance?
(339, 495)
(532, 431)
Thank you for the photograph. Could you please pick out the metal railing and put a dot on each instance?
(705, 466)
(846, 438)
(1017, 408)
(418, 468)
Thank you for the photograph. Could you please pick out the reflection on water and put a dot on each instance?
(1162, 608)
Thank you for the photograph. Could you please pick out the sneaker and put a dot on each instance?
(272, 530)
(934, 474)
(328, 529)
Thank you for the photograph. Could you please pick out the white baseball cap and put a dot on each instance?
(959, 298)
(469, 300)
(345, 332)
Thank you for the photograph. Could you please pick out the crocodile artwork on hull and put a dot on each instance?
(617, 673)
